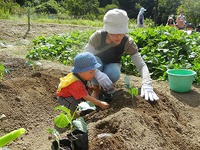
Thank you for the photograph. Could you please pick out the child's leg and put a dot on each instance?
(69, 102)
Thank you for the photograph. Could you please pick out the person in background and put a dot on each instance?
(170, 22)
(73, 88)
(189, 28)
(108, 45)
(198, 28)
(181, 21)
(140, 18)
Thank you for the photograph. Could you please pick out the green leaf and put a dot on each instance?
(127, 82)
(11, 136)
(86, 105)
(133, 91)
(54, 132)
(65, 109)
(80, 124)
(2, 71)
(62, 121)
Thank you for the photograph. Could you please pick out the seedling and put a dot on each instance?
(66, 119)
(31, 64)
(2, 71)
(131, 89)
(56, 134)
(11, 136)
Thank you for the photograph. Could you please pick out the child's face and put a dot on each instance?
(189, 28)
(88, 75)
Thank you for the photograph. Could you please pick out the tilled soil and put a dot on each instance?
(27, 99)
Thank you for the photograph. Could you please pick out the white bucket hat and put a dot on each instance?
(116, 22)
(142, 10)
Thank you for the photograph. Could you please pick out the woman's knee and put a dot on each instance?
(100, 62)
(113, 71)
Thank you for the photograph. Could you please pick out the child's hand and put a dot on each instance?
(104, 105)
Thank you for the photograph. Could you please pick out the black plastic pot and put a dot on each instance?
(65, 144)
(85, 112)
(79, 139)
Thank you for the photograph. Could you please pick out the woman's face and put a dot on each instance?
(116, 38)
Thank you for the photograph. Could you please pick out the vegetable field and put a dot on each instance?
(162, 48)
(27, 93)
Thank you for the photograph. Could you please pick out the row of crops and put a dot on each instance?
(162, 48)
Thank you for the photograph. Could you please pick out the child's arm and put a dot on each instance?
(103, 105)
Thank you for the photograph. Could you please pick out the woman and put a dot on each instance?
(181, 21)
(170, 22)
(140, 18)
(108, 45)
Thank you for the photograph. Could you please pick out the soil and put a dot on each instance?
(27, 99)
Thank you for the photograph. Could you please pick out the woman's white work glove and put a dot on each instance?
(148, 93)
(104, 81)
(147, 89)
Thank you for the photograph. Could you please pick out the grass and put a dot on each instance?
(51, 19)
(34, 18)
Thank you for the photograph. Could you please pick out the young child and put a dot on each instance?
(198, 28)
(189, 28)
(73, 87)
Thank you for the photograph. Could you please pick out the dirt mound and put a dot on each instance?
(27, 98)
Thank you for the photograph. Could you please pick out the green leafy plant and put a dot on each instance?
(161, 47)
(164, 48)
(31, 64)
(54, 132)
(11, 136)
(61, 47)
(131, 89)
(67, 120)
(196, 66)
(2, 71)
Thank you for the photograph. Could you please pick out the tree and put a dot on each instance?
(50, 7)
(191, 10)
(103, 3)
(82, 7)
(9, 7)
(20, 2)
(166, 8)
(129, 7)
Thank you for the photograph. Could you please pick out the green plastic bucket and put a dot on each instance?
(180, 80)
